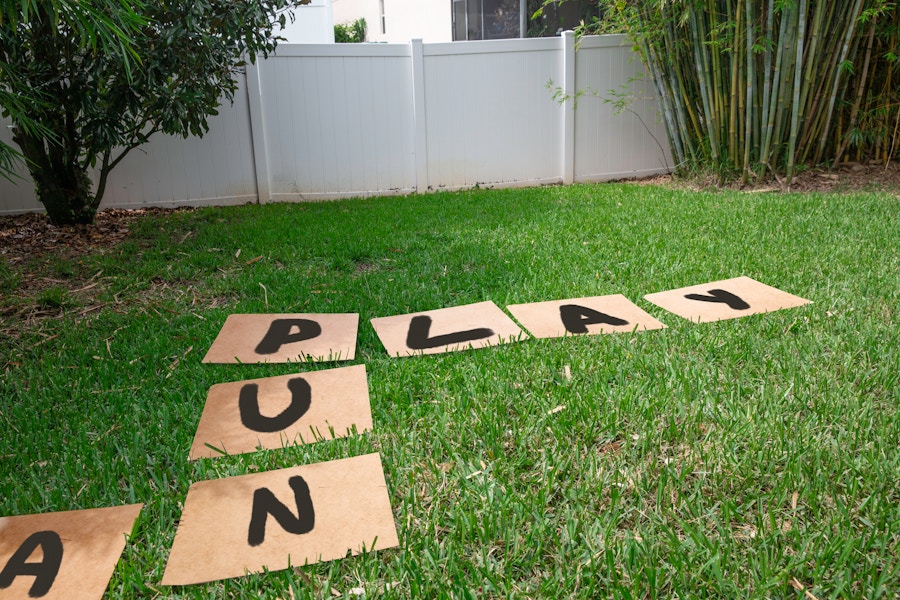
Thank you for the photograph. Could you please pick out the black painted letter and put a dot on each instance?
(44, 572)
(576, 318)
(248, 404)
(280, 333)
(265, 503)
(735, 302)
(417, 337)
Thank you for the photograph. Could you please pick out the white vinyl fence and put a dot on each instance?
(320, 121)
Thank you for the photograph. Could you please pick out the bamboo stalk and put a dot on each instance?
(795, 105)
(787, 44)
(734, 94)
(837, 76)
(811, 71)
(894, 138)
(822, 75)
(811, 62)
(704, 93)
(778, 86)
(678, 93)
(665, 95)
(714, 72)
(886, 93)
(765, 129)
(749, 116)
(854, 112)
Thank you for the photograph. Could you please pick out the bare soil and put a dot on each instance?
(846, 178)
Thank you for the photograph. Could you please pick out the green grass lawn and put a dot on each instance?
(753, 458)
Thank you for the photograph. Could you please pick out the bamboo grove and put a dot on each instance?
(755, 88)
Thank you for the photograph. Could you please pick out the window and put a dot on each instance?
(486, 19)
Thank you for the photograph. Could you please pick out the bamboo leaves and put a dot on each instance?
(754, 86)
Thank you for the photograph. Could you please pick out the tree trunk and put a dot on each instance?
(60, 183)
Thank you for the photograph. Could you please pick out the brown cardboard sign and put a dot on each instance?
(278, 519)
(66, 555)
(583, 316)
(726, 299)
(270, 338)
(447, 330)
(278, 411)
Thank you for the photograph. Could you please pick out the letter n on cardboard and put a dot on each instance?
(92, 542)
(352, 513)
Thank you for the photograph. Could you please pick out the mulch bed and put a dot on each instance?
(32, 235)
(39, 256)
(846, 178)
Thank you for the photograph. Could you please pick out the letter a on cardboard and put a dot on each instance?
(543, 319)
(91, 540)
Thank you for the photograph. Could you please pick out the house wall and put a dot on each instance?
(404, 20)
(313, 24)
(321, 121)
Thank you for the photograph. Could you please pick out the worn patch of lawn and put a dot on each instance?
(749, 458)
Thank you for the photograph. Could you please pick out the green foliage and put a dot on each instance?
(89, 25)
(755, 87)
(63, 268)
(351, 33)
(86, 83)
(54, 297)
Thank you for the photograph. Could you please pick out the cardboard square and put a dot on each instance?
(726, 299)
(85, 545)
(279, 411)
(583, 316)
(447, 330)
(350, 511)
(254, 338)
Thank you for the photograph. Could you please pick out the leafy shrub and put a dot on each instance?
(351, 33)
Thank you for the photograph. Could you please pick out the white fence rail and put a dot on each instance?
(333, 120)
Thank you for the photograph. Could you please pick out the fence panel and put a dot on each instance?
(608, 145)
(490, 118)
(320, 121)
(338, 120)
(216, 169)
(15, 196)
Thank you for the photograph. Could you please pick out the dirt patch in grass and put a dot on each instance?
(42, 268)
(845, 178)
